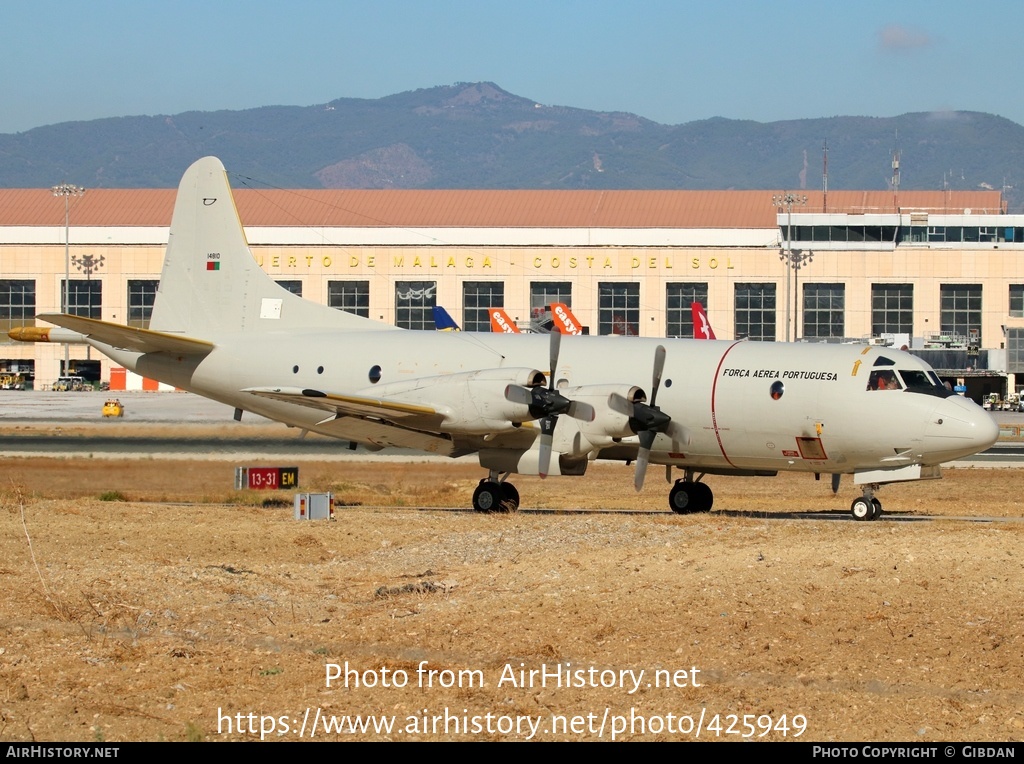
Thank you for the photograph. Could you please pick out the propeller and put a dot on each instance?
(647, 420)
(546, 403)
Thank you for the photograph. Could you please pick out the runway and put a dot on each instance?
(18, 407)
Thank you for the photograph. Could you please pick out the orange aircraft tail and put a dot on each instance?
(501, 323)
(565, 322)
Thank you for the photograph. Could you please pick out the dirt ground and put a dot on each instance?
(175, 608)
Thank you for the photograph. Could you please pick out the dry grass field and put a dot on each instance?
(180, 609)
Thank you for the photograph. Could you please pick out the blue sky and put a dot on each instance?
(672, 62)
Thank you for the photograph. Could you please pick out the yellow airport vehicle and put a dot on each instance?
(113, 407)
(12, 381)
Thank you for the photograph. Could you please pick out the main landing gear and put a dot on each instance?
(493, 494)
(866, 507)
(688, 496)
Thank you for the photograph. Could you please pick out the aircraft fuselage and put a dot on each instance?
(746, 405)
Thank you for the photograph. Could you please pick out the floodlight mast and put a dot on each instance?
(67, 190)
(793, 260)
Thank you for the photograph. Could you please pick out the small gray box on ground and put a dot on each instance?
(314, 506)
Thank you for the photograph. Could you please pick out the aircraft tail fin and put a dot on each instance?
(701, 326)
(443, 320)
(210, 282)
(565, 321)
(501, 322)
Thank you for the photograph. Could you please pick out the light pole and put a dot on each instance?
(793, 260)
(67, 190)
(88, 264)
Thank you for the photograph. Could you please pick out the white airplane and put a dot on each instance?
(225, 330)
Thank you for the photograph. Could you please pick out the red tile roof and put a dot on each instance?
(477, 209)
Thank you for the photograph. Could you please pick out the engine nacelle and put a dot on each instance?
(608, 425)
(472, 402)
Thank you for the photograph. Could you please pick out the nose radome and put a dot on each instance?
(959, 427)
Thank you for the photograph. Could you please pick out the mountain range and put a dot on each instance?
(477, 135)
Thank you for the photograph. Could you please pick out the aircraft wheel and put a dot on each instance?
(688, 497)
(509, 498)
(680, 498)
(877, 506)
(487, 497)
(862, 509)
(701, 497)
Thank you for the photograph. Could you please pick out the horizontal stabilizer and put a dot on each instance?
(128, 337)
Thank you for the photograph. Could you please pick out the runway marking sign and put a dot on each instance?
(266, 478)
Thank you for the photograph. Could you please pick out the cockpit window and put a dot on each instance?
(912, 380)
(915, 378)
(920, 381)
(884, 380)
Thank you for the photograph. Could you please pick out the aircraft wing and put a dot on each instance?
(128, 337)
(345, 405)
(374, 420)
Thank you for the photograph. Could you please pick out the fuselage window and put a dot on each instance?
(375, 374)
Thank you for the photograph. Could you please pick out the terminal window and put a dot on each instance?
(84, 297)
(542, 294)
(350, 296)
(959, 309)
(141, 295)
(679, 297)
(1017, 300)
(755, 311)
(824, 310)
(17, 305)
(892, 309)
(1014, 350)
(414, 303)
(477, 297)
(618, 309)
(292, 285)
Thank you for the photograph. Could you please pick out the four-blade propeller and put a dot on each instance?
(546, 403)
(647, 420)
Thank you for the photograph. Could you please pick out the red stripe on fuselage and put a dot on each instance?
(714, 415)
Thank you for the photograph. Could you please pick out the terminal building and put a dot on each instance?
(936, 271)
